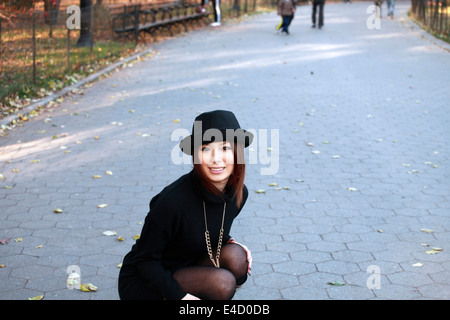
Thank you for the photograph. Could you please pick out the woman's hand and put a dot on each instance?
(247, 251)
(189, 296)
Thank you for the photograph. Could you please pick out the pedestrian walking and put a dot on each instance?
(286, 9)
(390, 7)
(320, 4)
(217, 12)
(185, 250)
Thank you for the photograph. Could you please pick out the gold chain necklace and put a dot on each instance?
(215, 260)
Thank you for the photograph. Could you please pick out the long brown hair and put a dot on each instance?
(236, 179)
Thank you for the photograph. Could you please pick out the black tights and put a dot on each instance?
(205, 281)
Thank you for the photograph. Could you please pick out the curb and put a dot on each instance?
(409, 23)
(5, 122)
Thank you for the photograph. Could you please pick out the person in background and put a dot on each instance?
(286, 9)
(391, 7)
(320, 4)
(217, 12)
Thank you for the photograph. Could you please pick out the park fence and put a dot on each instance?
(40, 54)
(433, 14)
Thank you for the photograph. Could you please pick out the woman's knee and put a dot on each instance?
(225, 285)
(234, 259)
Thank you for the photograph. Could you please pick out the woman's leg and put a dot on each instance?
(208, 282)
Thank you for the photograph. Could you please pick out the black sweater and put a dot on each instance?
(173, 235)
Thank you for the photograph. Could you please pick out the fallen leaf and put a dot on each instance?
(337, 283)
(5, 241)
(418, 264)
(136, 237)
(15, 170)
(427, 230)
(2, 265)
(273, 184)
(35, 161)
(176, 120)
(58, 210)
(120, 238)
(110, 233)
(97, 176)
(432, 251)
(380, 231)
(352, 189)
(109, 173)
(37, 298)
(286, 188)
(18, 240)
(119, 265)
(87, 287)
(39, 246)
(315, 152)
(260, 191)
(103, 205)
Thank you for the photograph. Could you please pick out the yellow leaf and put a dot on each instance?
(15, 170)
(57, 210)
(119, 265)
(103, 205)
(352, 189)
(39, 246)
(18, 240)
(109, 173)
(136, 237)
(87, 287)
(273, 184)
(37, 298)
(260, 191)
(176, 120)
(35, 161)
(97, 176)
(2, 265)
(427, 230)
(120, 238)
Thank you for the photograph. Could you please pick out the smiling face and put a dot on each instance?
(216, 162)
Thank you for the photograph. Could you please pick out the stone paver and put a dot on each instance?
(363, 124)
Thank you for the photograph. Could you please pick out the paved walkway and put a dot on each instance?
(363, 151)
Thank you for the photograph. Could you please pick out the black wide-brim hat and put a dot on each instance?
(215, 126)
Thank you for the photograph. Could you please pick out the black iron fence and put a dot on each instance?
(42, 50)
(433, 14)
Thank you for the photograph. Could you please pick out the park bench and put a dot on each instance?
(140, 19)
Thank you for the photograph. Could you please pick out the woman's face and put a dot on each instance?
(217, 162)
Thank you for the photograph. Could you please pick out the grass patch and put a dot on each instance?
(56, 65)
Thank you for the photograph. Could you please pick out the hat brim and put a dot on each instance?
(191, 142)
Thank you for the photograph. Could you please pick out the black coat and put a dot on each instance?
(173, 235)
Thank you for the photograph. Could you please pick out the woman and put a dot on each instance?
(185, 250)
(286, 9)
